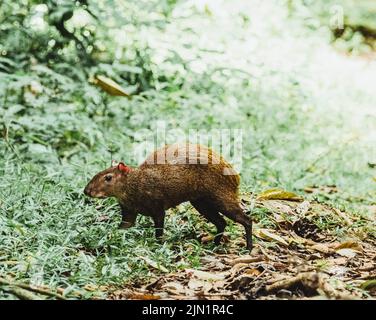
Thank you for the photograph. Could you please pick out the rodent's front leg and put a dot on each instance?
(159, 217)
(128, 218)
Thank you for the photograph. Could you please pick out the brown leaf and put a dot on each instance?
(321, 247)
(207, 239)
(138, 296)
(240, 282)
(269, 235)
(278, 207)
(252, 272)
(368, 266)
(338, 261)
(197, 284)
(237, 267)
(350, 245)
(203, 275)
(178, 290)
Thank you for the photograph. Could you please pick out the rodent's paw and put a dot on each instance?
(125, 225)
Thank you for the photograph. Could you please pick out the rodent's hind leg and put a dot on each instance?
(159, 218)
(204, 207)
(232, 210)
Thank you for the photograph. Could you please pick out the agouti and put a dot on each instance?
(171, 175)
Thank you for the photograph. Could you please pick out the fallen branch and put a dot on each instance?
(21, 293)
(246, 259)
(309, 280)
(25, 289)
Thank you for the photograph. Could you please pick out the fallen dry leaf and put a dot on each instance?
(349, 253)
(278, 194)
(154, 264)
(269, 235)
(252, 272)
(278, 208)
(237, 268)
(110, 86)
(197, 284)
(174, 287)
(303, 208)
(368, 266)
(337, 270)
(138, 296)
(203, 275)
(350, 245)
(321, 247)
(207, 239)
(338, 261)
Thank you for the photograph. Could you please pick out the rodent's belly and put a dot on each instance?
(170, 198)
(172, 204)
(168, 186)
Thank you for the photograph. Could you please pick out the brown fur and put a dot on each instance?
(153, 187)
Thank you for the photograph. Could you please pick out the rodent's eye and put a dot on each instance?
(108, 178)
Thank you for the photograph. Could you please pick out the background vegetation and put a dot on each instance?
(303, 93)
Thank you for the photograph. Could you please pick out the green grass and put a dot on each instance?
(307, 114)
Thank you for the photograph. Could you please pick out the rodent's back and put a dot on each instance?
(188, 170)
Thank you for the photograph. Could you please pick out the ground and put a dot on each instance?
(293, 260)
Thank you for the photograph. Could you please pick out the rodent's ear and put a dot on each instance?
(122, 167)
(114, 163)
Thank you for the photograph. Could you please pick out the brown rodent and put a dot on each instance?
(172, 175)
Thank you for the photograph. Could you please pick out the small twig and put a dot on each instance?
(247, 260)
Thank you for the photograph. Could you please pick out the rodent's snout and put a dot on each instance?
(87, 191)
(92, 192)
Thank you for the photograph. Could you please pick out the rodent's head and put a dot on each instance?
(107, 183)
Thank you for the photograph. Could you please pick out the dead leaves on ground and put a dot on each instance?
(295, 260)
(266, 274)
(270, 235)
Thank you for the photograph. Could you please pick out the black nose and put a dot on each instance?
(87, 191)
